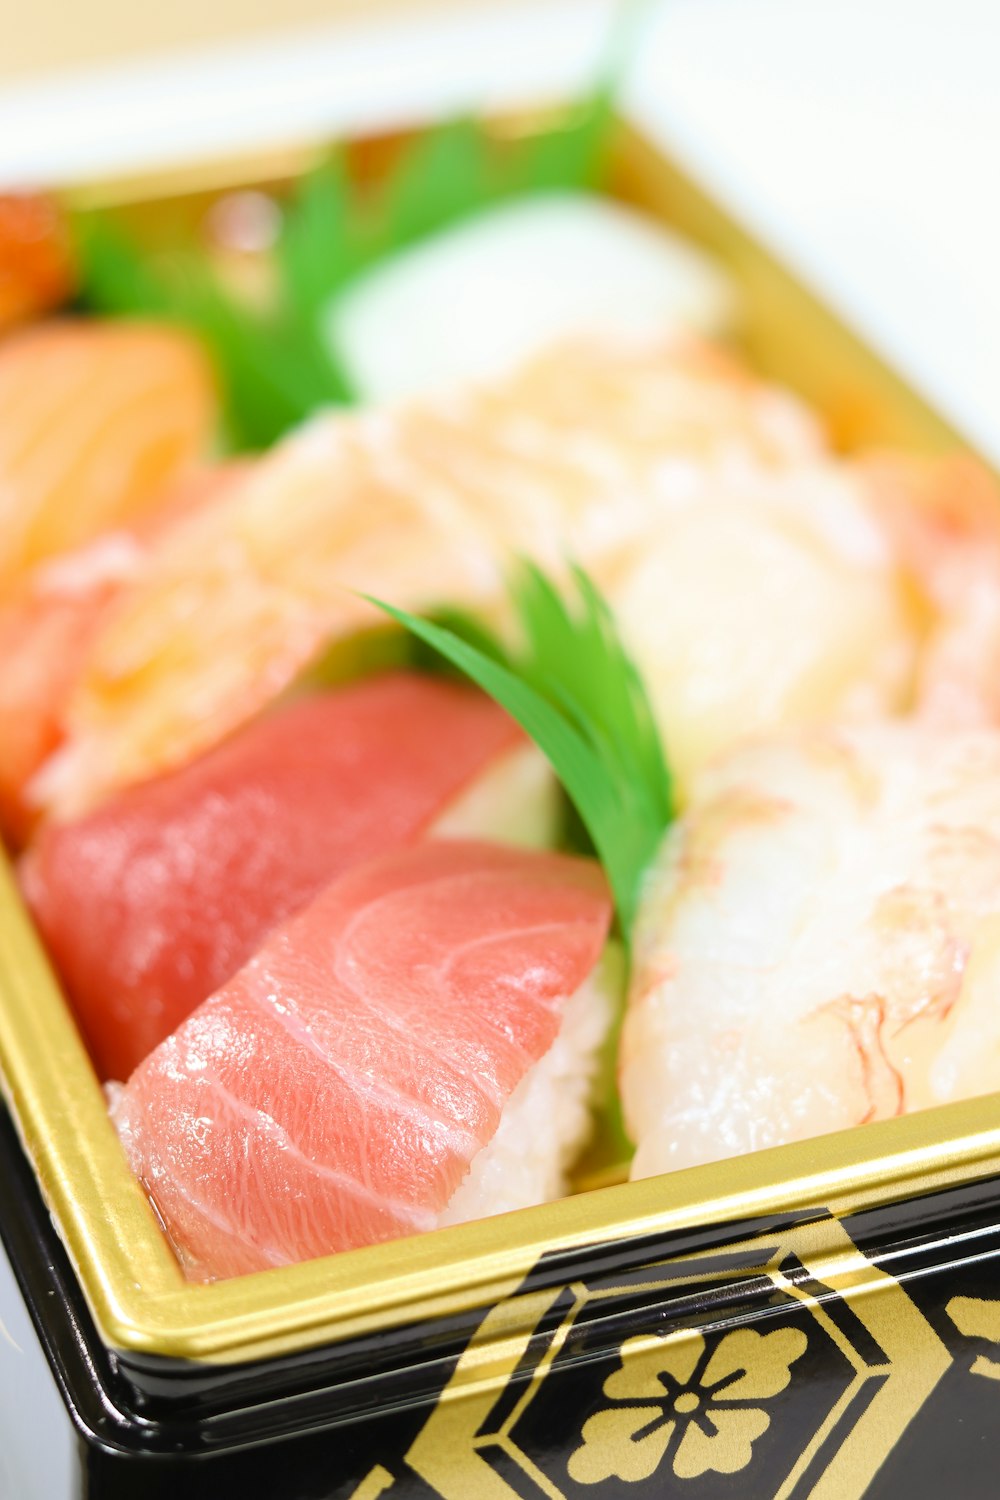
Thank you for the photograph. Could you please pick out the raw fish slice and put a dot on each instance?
(152, 901)
(36, 272)
(95, 418)
(766, 599)
(419, 505)
(337, 1090)
(49, 624)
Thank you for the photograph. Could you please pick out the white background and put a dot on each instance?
(860, 137)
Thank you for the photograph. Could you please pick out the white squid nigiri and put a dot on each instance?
(818, 944)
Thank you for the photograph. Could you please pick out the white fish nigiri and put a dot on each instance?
(763, 598)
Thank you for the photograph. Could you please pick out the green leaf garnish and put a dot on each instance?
(445, 175)
(273, 366)
(277, 365)
(574, 689)
(319, 248)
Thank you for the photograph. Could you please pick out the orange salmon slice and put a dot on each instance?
(95, 418)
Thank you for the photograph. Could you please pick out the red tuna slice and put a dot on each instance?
(157, 897)
(334, 1093)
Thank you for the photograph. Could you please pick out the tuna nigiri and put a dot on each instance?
(152, 901)
(95, 418)
(414, 1048)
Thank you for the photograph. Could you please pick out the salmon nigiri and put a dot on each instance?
(412, 1049)
(156, 898)
(95, 418)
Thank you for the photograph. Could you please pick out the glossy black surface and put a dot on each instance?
(317, 1425)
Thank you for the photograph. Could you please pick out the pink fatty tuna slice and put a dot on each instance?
(337, 1091)
(152, 901)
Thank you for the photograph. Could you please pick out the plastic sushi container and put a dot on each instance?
(584, 1349)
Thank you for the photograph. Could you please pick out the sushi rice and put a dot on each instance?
(547, 1119)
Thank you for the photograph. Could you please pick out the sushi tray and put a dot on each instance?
(500, 768)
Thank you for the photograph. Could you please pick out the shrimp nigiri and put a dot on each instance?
(50, 621)
(819, 943)
(702, 502)
(943, 521)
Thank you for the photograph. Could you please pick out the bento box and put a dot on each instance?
(817, 1319)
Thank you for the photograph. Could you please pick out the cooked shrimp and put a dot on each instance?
(819, 943)
(702, 501)
(943, 522)
(49, 625)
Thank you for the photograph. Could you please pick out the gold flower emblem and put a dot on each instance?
(672, 1396)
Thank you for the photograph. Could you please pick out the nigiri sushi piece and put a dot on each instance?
(818, 944)
(522, 275)
(157, 897)
(95, 418)
(414, 1048)
(944, 523)
(765, 599)
(36, 270)
(603, 452)
(47, 627)
(46, 630)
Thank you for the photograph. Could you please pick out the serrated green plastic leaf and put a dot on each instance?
(276, 368)
(575, 691)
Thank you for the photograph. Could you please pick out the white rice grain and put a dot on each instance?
(547, 1119)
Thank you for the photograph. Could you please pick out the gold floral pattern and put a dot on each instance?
(978, 1318)
(673, 1394)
